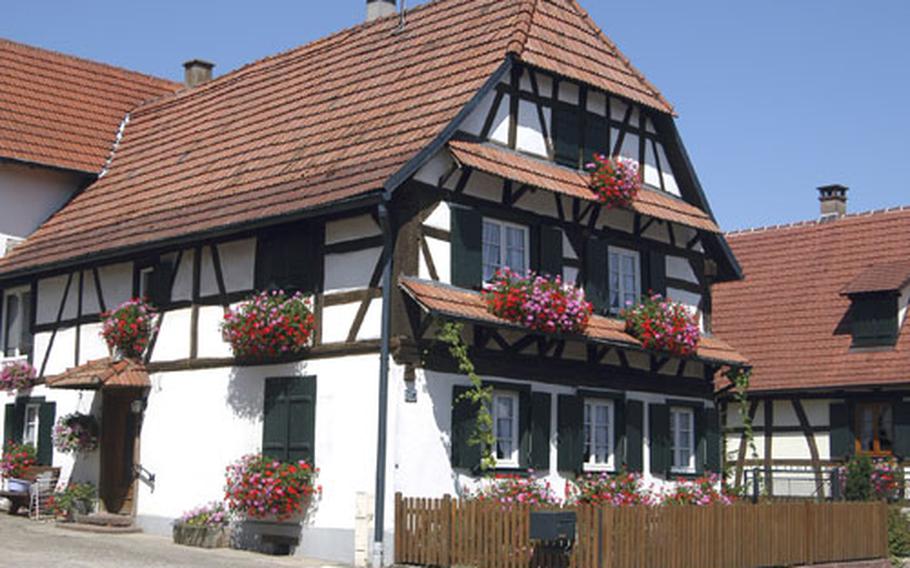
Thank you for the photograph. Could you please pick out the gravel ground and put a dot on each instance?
(25, 543)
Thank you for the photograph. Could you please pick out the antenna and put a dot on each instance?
(401, 14)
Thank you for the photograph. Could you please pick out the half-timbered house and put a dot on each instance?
(387, 170)
(822, 317)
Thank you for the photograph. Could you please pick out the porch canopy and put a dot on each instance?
(444, 300)
(102, 373)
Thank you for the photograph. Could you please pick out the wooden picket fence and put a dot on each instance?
(447, 532)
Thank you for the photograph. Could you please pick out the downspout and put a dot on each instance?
(386, 332)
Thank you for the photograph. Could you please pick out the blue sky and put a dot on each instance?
(774, 97)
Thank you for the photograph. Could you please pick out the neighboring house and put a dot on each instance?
(387, 170)
(821, 314)
(59, 117)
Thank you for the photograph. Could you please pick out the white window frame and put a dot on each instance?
(23, 309)
(591, 464)
(622, 253)
(36, 407)
(145, 281)
(512, 461)
(677, 413)
(503, 242)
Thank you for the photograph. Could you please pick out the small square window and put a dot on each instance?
(682, 438)
(505, 428)
(599, 429)
(505, 245)
(625, 278)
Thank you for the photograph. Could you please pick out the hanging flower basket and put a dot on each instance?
(17, 458)
(269, 325)
(537, 303)
(16, 375)
(258, 487)
(663, 325)
(128, 328)
(76, 433)
(615, 181)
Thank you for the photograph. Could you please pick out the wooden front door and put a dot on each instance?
(119, 433)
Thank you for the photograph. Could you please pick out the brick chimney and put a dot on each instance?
(380, 9)
(197, 72)
(833, 200)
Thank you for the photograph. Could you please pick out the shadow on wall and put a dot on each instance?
(87, 467)
(246, 393)
(440, 394)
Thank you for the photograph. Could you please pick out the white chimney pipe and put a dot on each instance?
(380, 9)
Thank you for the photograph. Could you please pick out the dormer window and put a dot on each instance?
(873, 320)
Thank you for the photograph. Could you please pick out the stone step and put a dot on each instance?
(105, 520)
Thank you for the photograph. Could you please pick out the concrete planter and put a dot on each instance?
(202, 537)
(267, 536)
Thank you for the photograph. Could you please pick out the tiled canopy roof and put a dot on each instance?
(445, 300)
(546, 175)
(326, 122)
(102, 373)
(789, 316)
(61, 111)
(888, 277)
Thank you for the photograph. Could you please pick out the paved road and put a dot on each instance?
(28, 544)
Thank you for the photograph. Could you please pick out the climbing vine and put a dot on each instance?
(741, 378)
(478, 395)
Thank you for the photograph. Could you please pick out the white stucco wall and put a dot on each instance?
(29, 195)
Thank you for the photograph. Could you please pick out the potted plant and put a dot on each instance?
(614, 181)
(663, 325)
(76, 433)
(269, 325)
(203, 527)
(127, 329)
(16, 375)
(76, 499)
(17, 458)
(538, 303)
(622, 489)
(512, 490)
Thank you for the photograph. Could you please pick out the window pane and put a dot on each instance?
(12, 332)
(492, 249)
(515, 249)
(866, 428)
(30, 432)
(505, 438)
(885, 428)
(25, 332)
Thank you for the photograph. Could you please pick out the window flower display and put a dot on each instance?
(76, 433)
(663, 325)
(127, 329)
(510, 490)
(615, 181)
(537, 303)
(701, 492)
(16, 375)
(259, 487)
(270, 324)
(620, 490)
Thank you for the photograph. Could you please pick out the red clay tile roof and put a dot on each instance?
(102, 373)
(546, 175)
(61, 111)
(890, 277)
(463, 304)
(331, 120)
(788, 315)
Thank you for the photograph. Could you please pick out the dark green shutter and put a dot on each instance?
(464, 418)
(467, 248)
(874, 321)
(524, 428)
(655, 273)
(596, 137)
(902, 429)
(160, 294)
(540, 431)
(288, 258)
(571, 438)
(596, 275)
(619, 432)
(842, 438)
(9, 424)
(634, 424)
(699, 419)
(289, 427)
(550, 247)
(566, 131)
(47, 414)
(713, 447)
(659, 438)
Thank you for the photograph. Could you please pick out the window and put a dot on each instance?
(625, 278)
(30, 427)
(874, 429)
(598, 426)
(17, 337)
(146, 282)
(566, 135)
(874, 320)
(505, 428)
(288, 259)
(505, 245)
(682, 439)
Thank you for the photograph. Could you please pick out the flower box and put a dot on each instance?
(663, 325)
(269, 326)
(615, 181)
(202, 537)
(538, 303)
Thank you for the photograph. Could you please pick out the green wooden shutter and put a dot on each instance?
(659, 438)
(275, 423)
(713, 446)
(700, 439)
(524, 428)
(464, 418)
(289, 427)
(540, 431)
(467, 248)
(596, 275)
(654, 272)
(874, 321)
(566, 132)
(842, 437)
(550, 247)
(289, 259)
(9, 424)
(47, 414)
(634, 424)
(619, 432)
(570, 433)
(902, 429)
(596, 137)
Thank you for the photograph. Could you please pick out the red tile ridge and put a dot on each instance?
(815, 222)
